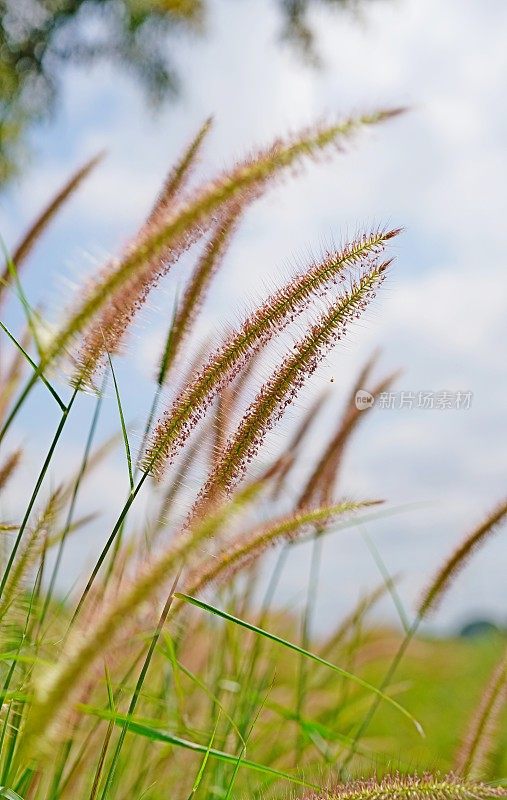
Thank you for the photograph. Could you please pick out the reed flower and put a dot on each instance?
(411, 787)
(41, 223)
(108, 330)
(9, 466)
(197, 287)
(29, 552)
(248, 547)
(179, 176)
(481, 736)
(281, 389)
(111, 696)
(125, 283)
(459, 558)
(231, 358)
(85, 646)
(321, 482)
(11, 377)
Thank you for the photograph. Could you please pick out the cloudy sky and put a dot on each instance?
(439, 171)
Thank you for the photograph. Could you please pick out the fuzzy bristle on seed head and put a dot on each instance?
(259, 328)
(9, 466)
(320, 485)
(410, 787)
(202, 275)
(248, 547)
(281, 389)
(474, 757)
(142, 265)
(110, 327)
(178, 177)
(41, 223)
(459, 558)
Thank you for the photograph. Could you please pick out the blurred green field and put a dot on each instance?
(304, 731)
(440, 682)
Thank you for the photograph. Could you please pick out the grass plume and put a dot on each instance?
(480, 740)
(178, 177)
(199, 282)
(29, 552)
(321, 482)
(248, 547)
(128, 280)
(229, 360)
(283, 386)
(84, 647)
(9, 466)
(45, 218)
(460, 557)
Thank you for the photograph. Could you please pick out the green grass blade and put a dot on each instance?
(73, 500)
(157, 735)
(200, 773)
(387, 578)
(19, 403)
(123, 426)
(40, 479)
(34, 366)
(291, 646)
(9, 794)
(107, 738)
(137, 691)
(169, 651)
(28, 311)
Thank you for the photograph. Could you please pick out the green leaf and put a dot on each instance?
(9, 794)
(158, 735)
(29, 313)
(33, 366)
(200, 773)
(123, 426)
(291, 646)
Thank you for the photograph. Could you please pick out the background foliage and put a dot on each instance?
(38, 38)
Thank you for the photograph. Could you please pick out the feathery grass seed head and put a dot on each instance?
(126, 281)
(281, 389)
(459, 558)
(267, 320)
(411, 787)
(481, 736)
